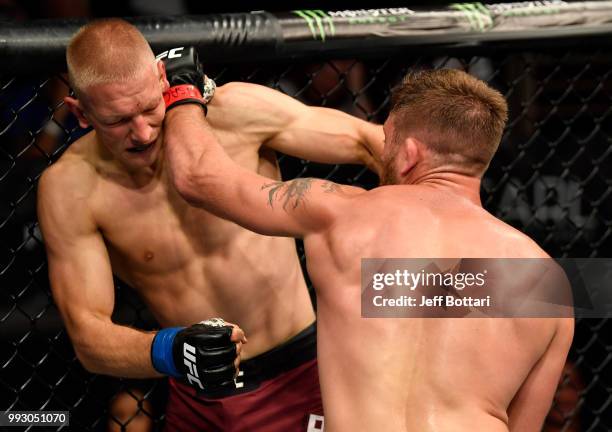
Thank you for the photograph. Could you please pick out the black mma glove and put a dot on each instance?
(202, 354)
(188, 84)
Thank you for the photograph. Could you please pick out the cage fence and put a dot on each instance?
(551, 179)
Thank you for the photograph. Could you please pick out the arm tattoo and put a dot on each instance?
(292, 192)
(331, 187)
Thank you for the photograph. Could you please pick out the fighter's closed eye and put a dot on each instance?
(117, 122)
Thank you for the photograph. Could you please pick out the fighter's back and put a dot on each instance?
(463, 374)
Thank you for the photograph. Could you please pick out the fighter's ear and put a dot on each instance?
(163, 79)
(411, 149)
(75, 107)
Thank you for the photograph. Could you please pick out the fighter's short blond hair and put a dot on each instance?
(106, 50)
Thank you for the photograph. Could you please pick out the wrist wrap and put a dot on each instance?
(183, 94)
(161, 351)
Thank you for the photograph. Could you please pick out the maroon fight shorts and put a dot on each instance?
(276, 391)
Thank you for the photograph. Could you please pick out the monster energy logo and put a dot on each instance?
(481, 18)
(478, 16)
(316, 20)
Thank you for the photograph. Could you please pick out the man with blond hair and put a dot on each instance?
(393, 374)
(108, 206)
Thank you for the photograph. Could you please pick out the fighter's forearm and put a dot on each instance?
(366, 139)
(110, 349)
(200, 170)
(184, 145)
(372, 140)
(206, 177)
(330, 136)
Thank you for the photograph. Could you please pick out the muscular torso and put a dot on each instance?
(414, 374)
(189, 265)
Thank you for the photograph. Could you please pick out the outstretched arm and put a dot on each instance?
(330, 136)
(206, 177)
(284, 124)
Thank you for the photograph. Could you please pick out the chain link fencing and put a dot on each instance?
(551, 179)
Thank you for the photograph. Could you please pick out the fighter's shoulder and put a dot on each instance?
(406, 196)
(522, 246)
(339, 196)
(71, 176)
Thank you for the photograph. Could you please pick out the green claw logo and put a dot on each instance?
(478, 15)
(318, 18)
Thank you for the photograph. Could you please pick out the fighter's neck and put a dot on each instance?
(145, 175)
(461, 184)
(140, 176)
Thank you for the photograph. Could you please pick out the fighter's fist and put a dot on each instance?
(206, 355)
(188, 83)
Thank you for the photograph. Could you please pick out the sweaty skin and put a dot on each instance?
(425, 375)
(115, 211)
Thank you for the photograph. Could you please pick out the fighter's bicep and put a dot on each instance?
(81, 278)
(301, 206)
(78, 262)
(266, 206)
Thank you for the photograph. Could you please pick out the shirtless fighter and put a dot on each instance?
(107, 206)
(394, 374)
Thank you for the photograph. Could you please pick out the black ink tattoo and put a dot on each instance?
(331, 187)
(292, 192)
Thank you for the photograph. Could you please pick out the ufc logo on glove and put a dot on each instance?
(190, 361)
(173, 53)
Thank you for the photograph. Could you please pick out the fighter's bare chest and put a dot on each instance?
(152, 229)
(155, 230)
